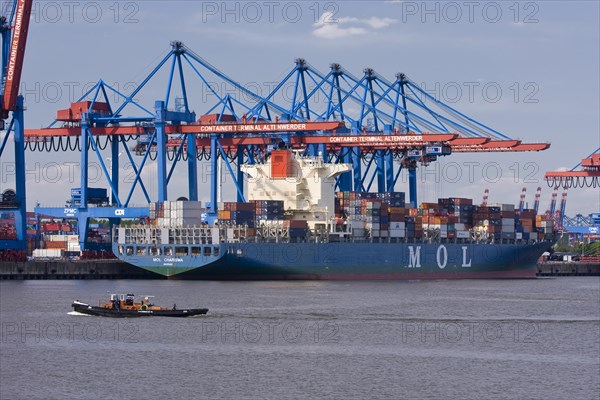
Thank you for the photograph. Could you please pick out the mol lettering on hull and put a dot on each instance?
(441, 257)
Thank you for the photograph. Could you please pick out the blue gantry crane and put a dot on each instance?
(382, 127)
(14, 27)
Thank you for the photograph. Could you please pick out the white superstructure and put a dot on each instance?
(305, 184)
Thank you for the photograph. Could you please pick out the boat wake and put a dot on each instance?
(78, 314)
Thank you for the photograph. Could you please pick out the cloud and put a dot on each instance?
(330, 27)
(378, 23)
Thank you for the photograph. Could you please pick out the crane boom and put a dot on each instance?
(14, 67)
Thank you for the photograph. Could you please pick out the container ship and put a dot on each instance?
(295, 226)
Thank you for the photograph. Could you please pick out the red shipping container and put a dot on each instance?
(294, 223)
(51, 227)
(211, 119)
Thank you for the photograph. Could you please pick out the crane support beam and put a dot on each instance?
(571, 174)
(461, 141)
(501, 146)
(191, 128)
(458, 144)
(14, 65)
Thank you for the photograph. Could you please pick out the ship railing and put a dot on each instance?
(404, 240)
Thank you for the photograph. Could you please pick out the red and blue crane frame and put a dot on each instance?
(11, 11)
(396, 107)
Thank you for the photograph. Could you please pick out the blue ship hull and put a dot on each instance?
(345, 260)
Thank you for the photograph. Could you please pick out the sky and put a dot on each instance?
(528, 69)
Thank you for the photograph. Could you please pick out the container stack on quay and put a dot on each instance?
(56, 228)
(8, 231)
(58, 246)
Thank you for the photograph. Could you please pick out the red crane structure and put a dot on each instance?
(14, 27)
(587, 176)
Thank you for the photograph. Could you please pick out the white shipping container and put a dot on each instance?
(353, 224)
(459, 227)
(508, 221)
(533, 236)
(373, 226)
(519, 235)
(164, 236)
(397, 225)
(397, 233)
(504, 207)
(462, 234)
(215, 235)
(443, 234)
(56, 238)
(47, 253)
(73, 247)
(380, 234)
(508, 229)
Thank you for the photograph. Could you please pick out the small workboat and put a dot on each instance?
(125, 306)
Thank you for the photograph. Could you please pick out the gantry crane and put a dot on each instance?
(14, 27)
(522, 199)
(559, 215)
(536, 202)
(550, 211)
(364, 121)
(588, 176)
(486, 196)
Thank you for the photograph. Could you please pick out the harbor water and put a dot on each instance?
(465, 339)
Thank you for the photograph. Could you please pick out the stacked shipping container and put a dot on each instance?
(237, 213)
(176, 213)
(379, 216)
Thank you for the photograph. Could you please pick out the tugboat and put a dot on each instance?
(125, 306)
